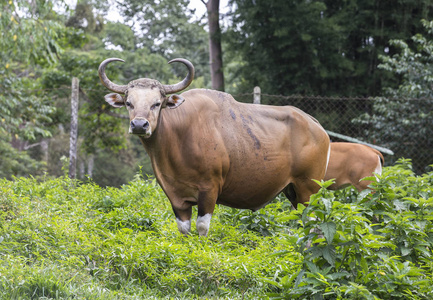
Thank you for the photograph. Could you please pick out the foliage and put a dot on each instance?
(65, 239)
(61, 238)
(28, 40)
(371, 245)
(168, 28)
(399, 114)
(322, 47)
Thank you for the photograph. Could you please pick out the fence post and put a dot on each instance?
(257, 95)
(74, 128)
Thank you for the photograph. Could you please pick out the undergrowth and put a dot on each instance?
(64, 239)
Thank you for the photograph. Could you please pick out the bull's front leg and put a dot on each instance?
(183, 217)
(206, 206)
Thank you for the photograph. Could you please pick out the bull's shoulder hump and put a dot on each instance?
(206, 95)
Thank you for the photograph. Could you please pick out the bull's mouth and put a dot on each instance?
(142, 133)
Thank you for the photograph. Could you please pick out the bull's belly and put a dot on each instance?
(251, 196)
(252, 203)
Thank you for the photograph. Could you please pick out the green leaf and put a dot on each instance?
(328, 229)
(274, 283)
(312, 267)
(363, 194)
(299, 278)
(328, 204)
(329, 254)
(405, 250)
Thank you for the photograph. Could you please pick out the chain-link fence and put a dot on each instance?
(110, 156)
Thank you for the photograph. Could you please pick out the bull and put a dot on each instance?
(206, 148)
(349, 163)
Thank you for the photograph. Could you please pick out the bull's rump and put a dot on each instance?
(350, 162)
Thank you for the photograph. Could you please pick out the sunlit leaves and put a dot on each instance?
(81, 240)
(373, 246)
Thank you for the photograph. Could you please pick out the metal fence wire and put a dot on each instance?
(345, 118)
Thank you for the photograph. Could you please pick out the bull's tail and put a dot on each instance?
(327, 159)
(380, 164)
(382, 160)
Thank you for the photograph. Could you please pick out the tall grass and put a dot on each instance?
(63, 239)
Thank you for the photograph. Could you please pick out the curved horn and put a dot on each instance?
(104, 79)
(173, 88)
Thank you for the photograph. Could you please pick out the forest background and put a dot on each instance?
(381, 50)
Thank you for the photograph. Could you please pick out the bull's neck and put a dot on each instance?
(157, 148)
(152, 144)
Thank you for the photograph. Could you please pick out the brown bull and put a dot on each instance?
(214, 150)
(350, 162)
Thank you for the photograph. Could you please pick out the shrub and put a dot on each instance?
(375, 247)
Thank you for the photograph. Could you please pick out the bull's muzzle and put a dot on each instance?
(139, 126)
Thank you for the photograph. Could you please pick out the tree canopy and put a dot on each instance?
(325, 47)
(29, 34)
(400, 112)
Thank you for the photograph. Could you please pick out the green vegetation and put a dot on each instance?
(320, 47)
(63, 239)
(398, 114)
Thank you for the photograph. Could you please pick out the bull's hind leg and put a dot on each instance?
(304, 189)
(290, 194)
(314, 166)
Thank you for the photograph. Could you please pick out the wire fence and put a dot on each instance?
(108, 155)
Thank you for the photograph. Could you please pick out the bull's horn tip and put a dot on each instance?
(108, 60)
(116, 59)
(175, 60)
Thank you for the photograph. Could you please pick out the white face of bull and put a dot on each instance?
(144, 106)
(144, 98)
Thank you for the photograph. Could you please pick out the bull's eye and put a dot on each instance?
(155, 105)
(128, 103)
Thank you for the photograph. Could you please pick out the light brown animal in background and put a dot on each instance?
(206, 148)
(350, 162)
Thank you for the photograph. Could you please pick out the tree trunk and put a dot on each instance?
(74, 128)
(90, 165)
(215, 52)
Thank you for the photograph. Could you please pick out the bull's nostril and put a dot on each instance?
(139, 126)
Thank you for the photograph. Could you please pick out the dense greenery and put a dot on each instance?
(25, 115)
(62, 239)
(321, 47)
(407, 110)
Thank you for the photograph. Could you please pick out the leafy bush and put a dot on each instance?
(376, 247)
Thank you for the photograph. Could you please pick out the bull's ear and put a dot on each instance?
(174, 101)
(115, 100)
